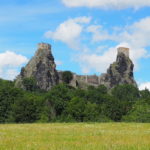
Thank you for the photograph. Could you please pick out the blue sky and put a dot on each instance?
(84, 34)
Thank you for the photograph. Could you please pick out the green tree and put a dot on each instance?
(30, 84)
(127, 96)
(91, 112)
(102, 89)
(112, 108)
(58, 97)
(75, 108)
(145, 94)
(67, 76)
(8, 95)
(27, 108)
(140, 112)
(96, 95)
(126, 92)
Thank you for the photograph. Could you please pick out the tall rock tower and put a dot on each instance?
(120, 72)
(41, 67)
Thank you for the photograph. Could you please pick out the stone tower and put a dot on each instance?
(123, 50)
(44, 46)
(41, 67)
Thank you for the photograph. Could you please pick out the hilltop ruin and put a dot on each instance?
(42, 67)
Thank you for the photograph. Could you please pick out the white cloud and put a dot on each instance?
(136, 37)
(98, 63)
(69, 31)
(136, 34)
(83, 19)
(101, 62)
(107, 4)
(99, 33)
(144, 86)
(58, 62)
(11, 59)
(9, 63)
(10, 74)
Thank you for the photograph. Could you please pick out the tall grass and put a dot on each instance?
(75, 136)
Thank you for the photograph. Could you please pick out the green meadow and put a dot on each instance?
(75, 136)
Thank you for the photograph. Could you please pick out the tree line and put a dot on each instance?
(64, 103)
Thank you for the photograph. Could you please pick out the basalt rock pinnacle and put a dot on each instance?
(41, 67)
(120, 72)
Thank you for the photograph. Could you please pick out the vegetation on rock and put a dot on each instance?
(67, 76)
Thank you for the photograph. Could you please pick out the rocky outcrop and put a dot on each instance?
(120, 72)
(41, 67)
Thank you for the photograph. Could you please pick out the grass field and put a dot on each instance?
(98, 136)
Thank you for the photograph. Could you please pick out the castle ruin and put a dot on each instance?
(42, 67)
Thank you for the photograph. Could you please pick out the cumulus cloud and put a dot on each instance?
(10, 74)
(69, 31)
(136, 34)
(9, 58)
(99, 33)
(9, 63)
(144, 86)
(98, 63)
(136, 37)
(107, 4)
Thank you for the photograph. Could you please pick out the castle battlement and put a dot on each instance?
(123, 50)
(44, 46)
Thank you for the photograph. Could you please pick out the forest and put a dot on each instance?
(64, 103)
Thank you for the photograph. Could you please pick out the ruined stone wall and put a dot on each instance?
(44, 46)
(82, 80)
(85, 80)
